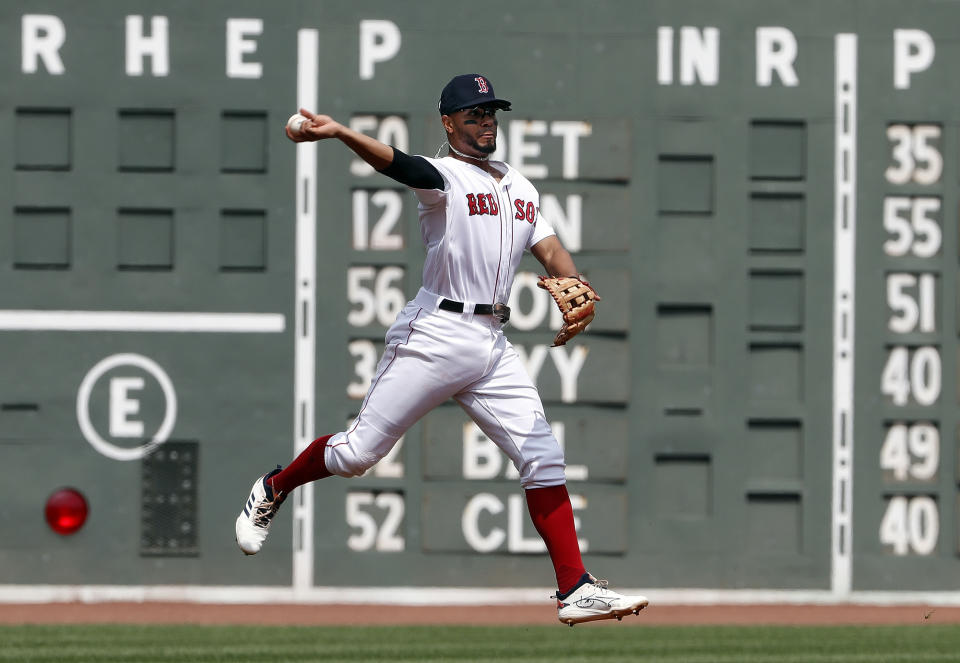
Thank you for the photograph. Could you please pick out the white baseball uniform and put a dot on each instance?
(475, 231)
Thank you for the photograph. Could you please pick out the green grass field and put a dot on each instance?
(526, 644)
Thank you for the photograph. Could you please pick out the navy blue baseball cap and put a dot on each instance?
(467, 91)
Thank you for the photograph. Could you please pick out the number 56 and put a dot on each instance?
(381, 303)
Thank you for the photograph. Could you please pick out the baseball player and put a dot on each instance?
(477, 217)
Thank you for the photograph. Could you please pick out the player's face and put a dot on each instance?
(477, 128)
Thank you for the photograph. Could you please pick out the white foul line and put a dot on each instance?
(304, 348)
(845, 251)
(140, 321)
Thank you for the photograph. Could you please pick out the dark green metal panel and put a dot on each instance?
(696, 413)
(125, 194)
(906, 487)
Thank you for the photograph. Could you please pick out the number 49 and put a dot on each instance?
(911, 451)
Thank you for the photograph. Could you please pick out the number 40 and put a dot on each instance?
(917, 373)
(910, 524)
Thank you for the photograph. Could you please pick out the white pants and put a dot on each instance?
(432, 355)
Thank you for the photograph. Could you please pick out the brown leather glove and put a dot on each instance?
(575, 298)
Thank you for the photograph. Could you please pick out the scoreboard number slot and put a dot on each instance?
(376, 293)
(913, 225)
(910, 525)
(364, 353)
(911, 451)
(384, 235)
(916, 373)
(376, 518)
(915, 159)
(912, 298)
(390, 130)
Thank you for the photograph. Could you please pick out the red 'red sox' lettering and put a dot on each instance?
(525, 210)
(482, 203)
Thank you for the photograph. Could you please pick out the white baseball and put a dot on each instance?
(295, 122)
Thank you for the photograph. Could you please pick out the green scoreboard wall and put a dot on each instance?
(765, 194)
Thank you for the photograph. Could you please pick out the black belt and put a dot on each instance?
(500, 311)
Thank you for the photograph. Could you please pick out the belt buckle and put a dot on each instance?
(501, 312)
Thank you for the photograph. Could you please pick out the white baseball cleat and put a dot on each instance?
(592, 600)
(253, 523)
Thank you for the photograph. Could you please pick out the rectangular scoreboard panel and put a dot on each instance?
(907, 359)
(764, 195)
(147, 292)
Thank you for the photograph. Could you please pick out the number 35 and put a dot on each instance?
(915, 158)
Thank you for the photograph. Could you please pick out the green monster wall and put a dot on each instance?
(765, 195)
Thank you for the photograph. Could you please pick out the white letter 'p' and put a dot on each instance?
(379, 41)
(913, 52)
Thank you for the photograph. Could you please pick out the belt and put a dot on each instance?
(498, 310)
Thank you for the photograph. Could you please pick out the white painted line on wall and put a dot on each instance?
(141, 321)
(431, 596)
(844, 290)
(304, 349)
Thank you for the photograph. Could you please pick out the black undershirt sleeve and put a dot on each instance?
(413, 171)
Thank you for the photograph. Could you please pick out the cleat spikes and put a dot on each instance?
(592, 600)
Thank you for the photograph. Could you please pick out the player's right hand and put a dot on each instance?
(317, 127)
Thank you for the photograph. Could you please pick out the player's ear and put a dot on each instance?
(447, 122)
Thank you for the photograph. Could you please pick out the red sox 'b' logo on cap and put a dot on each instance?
(482, 84)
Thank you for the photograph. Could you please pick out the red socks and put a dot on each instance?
(549, 508)
(552, 515)
(308, 466)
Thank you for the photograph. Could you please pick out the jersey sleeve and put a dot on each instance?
(413, 171)
(431, 197)
(541, 230)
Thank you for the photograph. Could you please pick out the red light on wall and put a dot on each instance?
(66, 511)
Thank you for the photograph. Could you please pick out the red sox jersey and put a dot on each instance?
(476, 230)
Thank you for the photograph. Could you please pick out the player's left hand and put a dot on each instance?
(575, 298)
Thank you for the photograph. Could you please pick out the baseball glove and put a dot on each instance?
(575, 298)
